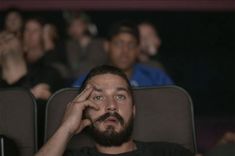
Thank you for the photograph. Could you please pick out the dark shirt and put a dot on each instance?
(38, 72)
(143, 149)
(82, 59)
(43, 72)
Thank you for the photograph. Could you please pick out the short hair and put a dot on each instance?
(106, 69)
(37, 19)
(16, 10)
(124, 26)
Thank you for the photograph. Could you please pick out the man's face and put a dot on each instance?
(116, 113)
(32, 39)
(149, 39)
(33, 33)
(13, 22)
(77, 28)
(123, 51)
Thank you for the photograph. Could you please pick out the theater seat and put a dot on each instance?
(18, 120)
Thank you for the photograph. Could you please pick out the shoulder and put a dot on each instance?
(156, 75)
(148, 68)
(165, 148)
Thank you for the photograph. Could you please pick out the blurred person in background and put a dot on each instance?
(84, 50)
(150, 43)
(12, 63)
(13, 22)
(123, 48)
(40, 79)
(54, 49)
(39, 61)
(15, 72)
(50, 36)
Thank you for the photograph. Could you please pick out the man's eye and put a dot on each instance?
(118, 43)
(120, 97)
(96, 98)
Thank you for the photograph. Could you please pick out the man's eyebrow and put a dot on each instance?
(118, 89)
(123, 89)
(97, 89)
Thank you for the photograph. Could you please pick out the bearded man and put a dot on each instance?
(106, 108)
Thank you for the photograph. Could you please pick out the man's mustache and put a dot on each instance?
(111, 114)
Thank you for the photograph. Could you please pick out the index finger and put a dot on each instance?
(84, 94)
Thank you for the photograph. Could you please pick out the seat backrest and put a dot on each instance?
(18, 119)
(163, 114)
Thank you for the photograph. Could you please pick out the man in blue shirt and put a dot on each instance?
(122, 50)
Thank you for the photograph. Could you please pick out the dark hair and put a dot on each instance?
(106, 69)
(124, 26)
(12, 9)
(82, 16)
(39, 20)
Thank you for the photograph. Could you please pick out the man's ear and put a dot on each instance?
(106, 46)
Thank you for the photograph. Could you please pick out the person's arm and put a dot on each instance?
(11, 58)
(56, 144)
(72, 124)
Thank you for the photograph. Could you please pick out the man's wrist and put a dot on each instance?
(65, 131)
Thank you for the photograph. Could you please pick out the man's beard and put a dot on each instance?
(109, 137)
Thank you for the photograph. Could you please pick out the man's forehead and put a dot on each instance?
(108, 81)
(124, 35)
(106, 88)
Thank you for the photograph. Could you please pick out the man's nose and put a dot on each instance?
(112, 105)
(125, 47)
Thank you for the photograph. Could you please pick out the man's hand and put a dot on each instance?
(72, 123)
(8, 43)
(72, 120)
(41, 91)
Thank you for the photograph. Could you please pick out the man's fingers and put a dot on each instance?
(91, 104)
(84, 94)
(85, 104)
(84, 123)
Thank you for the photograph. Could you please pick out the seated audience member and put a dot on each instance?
(54, 49)
(42, 80)
(150, 43)
(14, 70)
(106, 108)
(40, 64)
(49, 38)
(13, 66)
(84, 51)
(41, 67)
(123, 50)
(13, 22)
